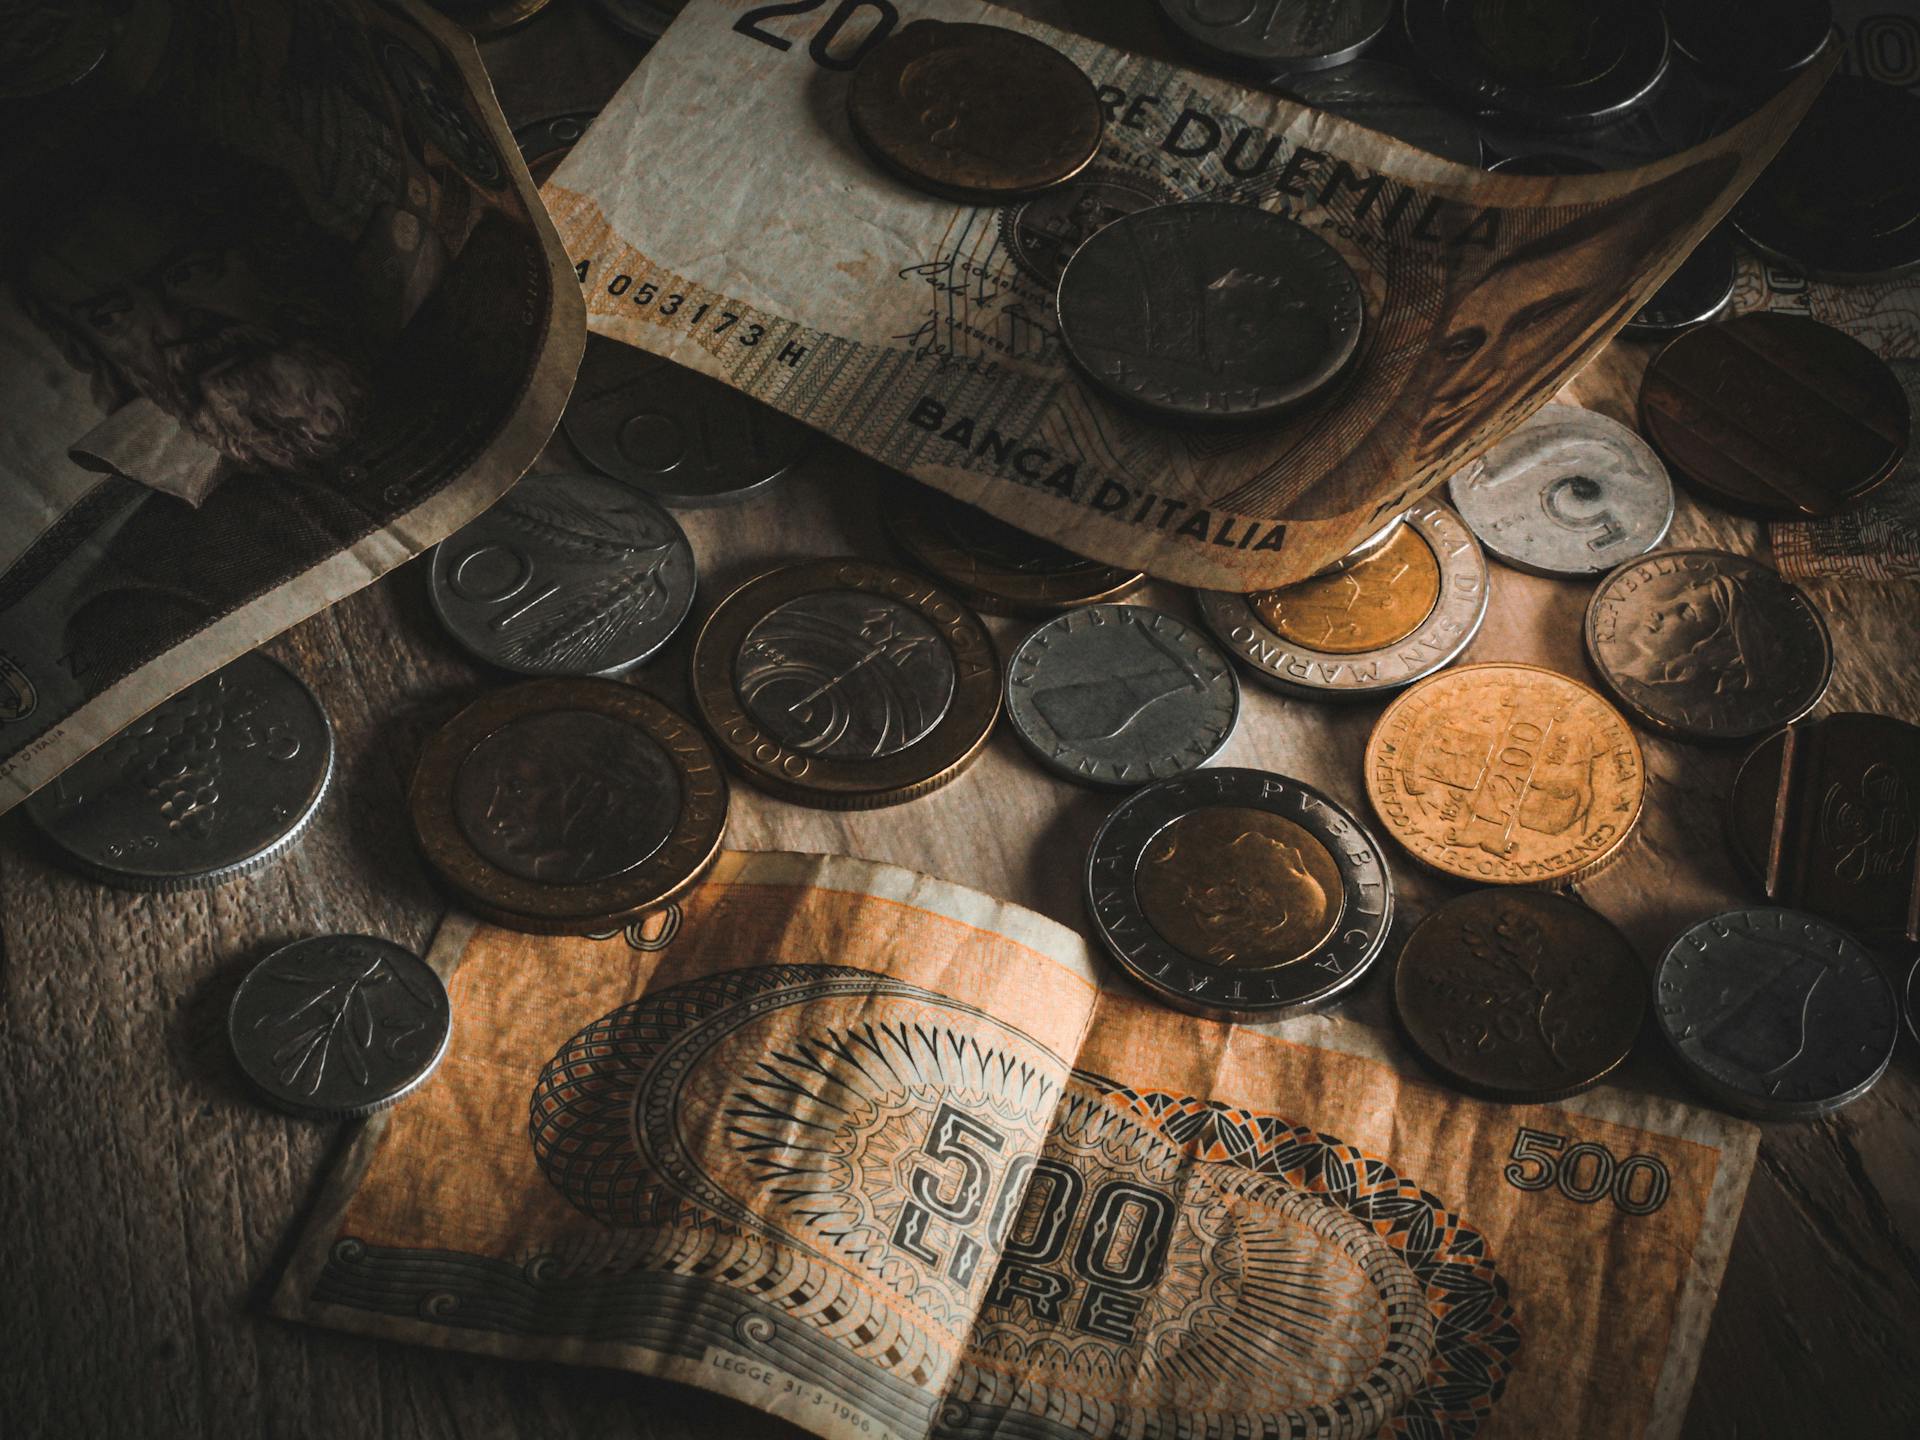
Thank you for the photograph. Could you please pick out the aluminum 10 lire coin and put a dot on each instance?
(339, 1025)
(1569, 492)
(1707, 645)
(1119, 695)
(566, 575)
(1776, 1014)
(974, 113)
(996, 567)
(1042, 233)
(568, 806)
(846, 685)
(1506, 774)
(208, 785)
(1278, 35)
(1700, 290)
(1395, 102)
(1210, 311)
(1238, 894)
(1403, 612)
(1518, 995)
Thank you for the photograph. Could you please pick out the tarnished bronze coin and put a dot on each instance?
(1777, 415)
(1506, 774)
(569, 805)
(1519, 996)
(1826, 813)
(846, 685)
(974, 112)
(995, 567)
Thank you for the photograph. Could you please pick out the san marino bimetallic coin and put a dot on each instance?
(846, 685)
(1210, 311)
(684, 438)
(565, 575)
(568, 806)
(339, 1026)
(1699, 291)
(1775, 1013)
(1382, 623)
(1707, 645)
(1394, 101)
(208, 785)
(1120, 695)
(1238, 894)
(1519, 996)
(1569, 492)
(1278, 35)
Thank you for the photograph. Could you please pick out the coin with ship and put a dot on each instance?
(1699, 291)
(338, 1026)
(1775, 1013)
(1120, 695)
(1506, 774)
(1569, 492)
(1277, 36)
(846, 685)
(1708, 645)
(1395, 101)
(1238, 894)
(568, 805)
(208, 785)
(1518, 995)
(566, 575)
(1374, 626)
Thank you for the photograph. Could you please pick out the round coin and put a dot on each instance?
(1519, 996)
(490, 17)
(688, 440)
(1775, 414)
(46, 48)
(1706, 645)
(1376, 625)
(1825, 813)
(846, 685)
(642, 19)
(1776, 1014)
(1278, 35)
(567, 806)
(1118, 695)
(1238, 894)
(1699, 291)
(1569, 492)
(566, 575)
(1749, 40)
(1367, 548)
(1506, 774)
(1544, 163)
(1209, 310)
(1913, 1001)
(996, 567)
(339, 1026)
(1042, 233)
(543, 144)
(208, 785)
(974, 113)
(1393, 101)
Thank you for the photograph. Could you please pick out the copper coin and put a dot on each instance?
(974, 113)
(1776, 415)
(846, 685)
(996, 567)
(1826, 814)
(1506, 774)
(566, 806)
(1519, 996)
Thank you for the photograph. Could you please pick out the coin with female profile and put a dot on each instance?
(996, 568)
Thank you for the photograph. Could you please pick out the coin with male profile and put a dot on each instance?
(1241, 887)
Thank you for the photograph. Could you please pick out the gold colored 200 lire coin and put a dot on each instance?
(1507, 774)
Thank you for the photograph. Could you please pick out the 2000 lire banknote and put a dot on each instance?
(884, 1157)
(721, 213)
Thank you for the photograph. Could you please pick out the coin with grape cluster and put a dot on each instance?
(995, 567)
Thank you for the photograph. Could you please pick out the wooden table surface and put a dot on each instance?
(146, 1201)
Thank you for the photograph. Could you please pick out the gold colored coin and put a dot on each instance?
(1375, 602)
(1507, 774)
(1240, 887)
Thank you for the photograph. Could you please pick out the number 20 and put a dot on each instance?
(821, 48)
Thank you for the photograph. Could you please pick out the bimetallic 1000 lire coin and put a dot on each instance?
(566, 575)
(1567, 493)
(1120, 695)
(339, 1025)
(208, 785)
(1405, 611)
(568, 806)
(846, 685)
(1238, 894)
(1506, 774)
(996, 567)
(1707, 645)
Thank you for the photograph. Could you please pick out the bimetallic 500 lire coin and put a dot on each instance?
(1238, 894)
(1405, 611)
(1120, 695)
(846, 685)
(1506, 774)
(567, 806)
